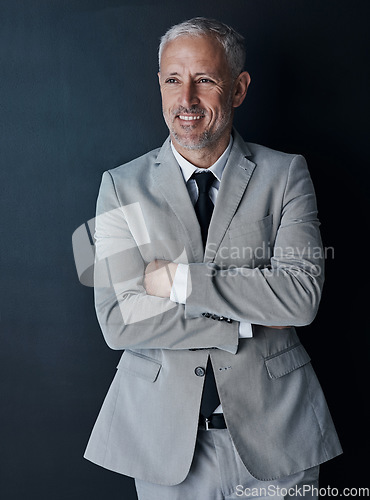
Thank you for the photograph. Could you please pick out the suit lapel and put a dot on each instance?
(235, 178)
(170, 181)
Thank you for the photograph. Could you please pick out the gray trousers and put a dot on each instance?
(217, 473)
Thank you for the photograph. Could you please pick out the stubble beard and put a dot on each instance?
(208, 138)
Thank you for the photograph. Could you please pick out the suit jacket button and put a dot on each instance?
(199, 371)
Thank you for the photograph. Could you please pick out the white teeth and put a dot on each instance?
(188, 118)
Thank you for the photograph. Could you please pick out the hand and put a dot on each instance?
(158, 278)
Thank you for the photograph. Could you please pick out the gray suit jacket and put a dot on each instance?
(263, 264)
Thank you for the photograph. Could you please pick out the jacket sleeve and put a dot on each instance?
(128, 317)
(285, 292)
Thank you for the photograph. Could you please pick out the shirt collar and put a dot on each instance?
(217, 168)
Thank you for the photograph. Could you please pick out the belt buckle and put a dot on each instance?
(206, 423)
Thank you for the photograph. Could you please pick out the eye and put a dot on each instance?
(171, 80)
(205, 80)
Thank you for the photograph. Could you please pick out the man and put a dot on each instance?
(208, 255)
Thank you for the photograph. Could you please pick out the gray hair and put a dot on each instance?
(231, 41)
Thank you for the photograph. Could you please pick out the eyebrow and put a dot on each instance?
(212, 75)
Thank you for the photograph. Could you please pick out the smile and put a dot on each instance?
(190, 118)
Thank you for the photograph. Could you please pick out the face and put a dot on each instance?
(198, 92)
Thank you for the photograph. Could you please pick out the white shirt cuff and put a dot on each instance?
(245, 330)
(180, 284)
(179, 291)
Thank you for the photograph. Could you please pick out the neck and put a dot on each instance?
(205, 157)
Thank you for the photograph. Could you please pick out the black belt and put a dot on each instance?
(215, 421)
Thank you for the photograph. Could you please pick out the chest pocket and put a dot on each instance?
(260, 227)
(247, 244)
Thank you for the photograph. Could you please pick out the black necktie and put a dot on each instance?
(204, 206)
(203, 209)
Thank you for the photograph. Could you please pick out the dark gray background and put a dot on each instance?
(78, 95)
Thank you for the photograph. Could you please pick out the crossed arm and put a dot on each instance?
(158, 280)
(286, 292)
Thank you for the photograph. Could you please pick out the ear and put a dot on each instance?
(241, 87)
(159, 77)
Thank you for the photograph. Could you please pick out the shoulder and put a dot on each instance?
(265, 157)
(133, 176)
(135, 167)
(276, 165)
(130, 181)
(261, 153)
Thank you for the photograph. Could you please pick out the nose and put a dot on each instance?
(188, 96)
